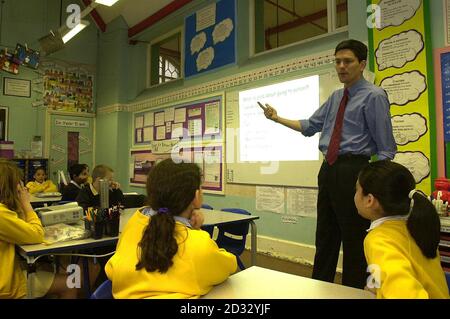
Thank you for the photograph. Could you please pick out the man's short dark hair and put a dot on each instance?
(76, 170)
(358, 48)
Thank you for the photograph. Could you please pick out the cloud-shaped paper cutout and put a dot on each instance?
(404, 88)
(416, 162)
(399, 49)
(395, 12)
(205, 59)
(408, 128)
(198, 42)
(222, 30)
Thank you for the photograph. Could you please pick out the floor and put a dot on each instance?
(286, 266)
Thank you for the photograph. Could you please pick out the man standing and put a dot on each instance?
(355, 123)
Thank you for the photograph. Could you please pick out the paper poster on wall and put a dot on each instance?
(148, 119)
(212, 118)
(270, 199)
(159, 119)
(180, 115)
(210, 38)
(301, 202)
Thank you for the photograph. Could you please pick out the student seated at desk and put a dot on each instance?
(20, 225)
(162, 253)
(78, 178)
(401, 247)
(89, 196)
(41, 184)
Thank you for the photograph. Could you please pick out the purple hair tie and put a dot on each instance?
(163, 210)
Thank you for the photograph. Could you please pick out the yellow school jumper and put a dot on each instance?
(14, 230)
(45, 187)
(404, 271)
(197, 266)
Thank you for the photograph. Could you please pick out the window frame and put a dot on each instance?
(332, 29)
(160, 39)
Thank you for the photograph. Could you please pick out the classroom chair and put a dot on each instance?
(133, 200)
(447, 276)
(104, 291)
(235, 244)
(208, 229)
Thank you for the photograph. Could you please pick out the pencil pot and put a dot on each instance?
(98, 230)
(112, 227)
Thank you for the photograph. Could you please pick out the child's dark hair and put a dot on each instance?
(40, 168)
(390, 183)
(171, 188)
(358, 48)
(76, 170)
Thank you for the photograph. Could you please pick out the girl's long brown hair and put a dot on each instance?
(10, 177)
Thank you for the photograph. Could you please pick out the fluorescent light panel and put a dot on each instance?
(72, 32)
(106, 2)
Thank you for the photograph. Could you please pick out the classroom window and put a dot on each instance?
(279, 23)
(166, 60)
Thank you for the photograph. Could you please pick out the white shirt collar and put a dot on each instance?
(374, 224)
(148, 211)
(75, 183)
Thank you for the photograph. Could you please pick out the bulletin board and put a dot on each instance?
(210, 38)
(68, 87)
(191, 131)
(200, 120)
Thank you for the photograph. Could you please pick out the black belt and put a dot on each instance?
(350, 156)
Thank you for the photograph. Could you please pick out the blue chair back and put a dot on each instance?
(206, 206)
(232, 244)
(104, 291)
(447, 276)
(208, 229)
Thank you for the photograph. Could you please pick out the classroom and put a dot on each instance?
(304, 142)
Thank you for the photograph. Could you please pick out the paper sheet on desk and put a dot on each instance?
(63, 232)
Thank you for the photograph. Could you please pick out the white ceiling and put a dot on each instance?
(133, 11)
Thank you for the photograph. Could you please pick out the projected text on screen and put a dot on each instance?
(263, 140)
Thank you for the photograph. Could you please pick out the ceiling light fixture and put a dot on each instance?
(72, 32)
(106, 2)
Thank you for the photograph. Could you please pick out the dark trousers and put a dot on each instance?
(338, 220)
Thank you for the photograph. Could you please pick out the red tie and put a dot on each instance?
(333, 147)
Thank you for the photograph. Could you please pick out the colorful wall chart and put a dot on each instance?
(68, 88)
(401, 62)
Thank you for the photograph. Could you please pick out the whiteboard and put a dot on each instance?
(285, 173)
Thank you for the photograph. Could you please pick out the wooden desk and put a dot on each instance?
(261, 283)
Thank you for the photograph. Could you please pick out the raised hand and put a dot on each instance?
(270, 113)
(196, 219)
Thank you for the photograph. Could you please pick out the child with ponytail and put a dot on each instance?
(401, 247)
(162, 253)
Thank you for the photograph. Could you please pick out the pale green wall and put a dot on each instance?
(121, 78)
(25, 21)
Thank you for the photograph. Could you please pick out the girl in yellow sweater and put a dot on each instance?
(401, 247)
(162, 253)
(41, 184)
(20, 225)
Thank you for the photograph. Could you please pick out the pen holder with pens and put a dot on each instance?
(112, 221)
(94, 221)
(96, 228)
(102, 221)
